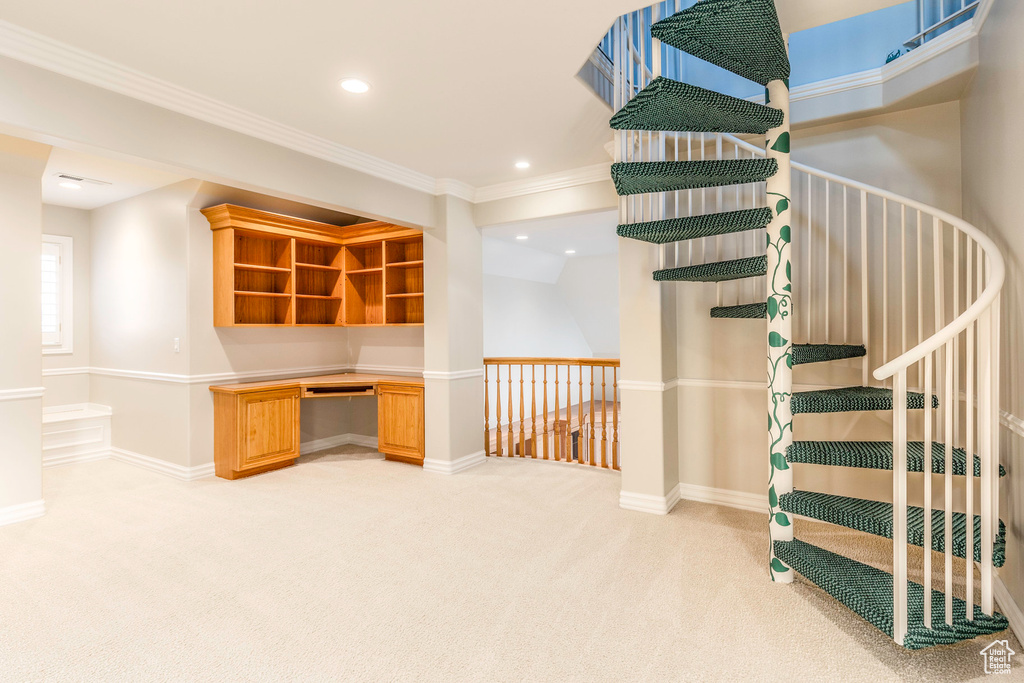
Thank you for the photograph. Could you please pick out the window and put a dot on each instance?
(57, 286)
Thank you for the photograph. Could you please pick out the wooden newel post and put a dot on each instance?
(780, 328)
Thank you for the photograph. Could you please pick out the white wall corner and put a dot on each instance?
(12, 514)
(454, 466)
(1010, 609)
(651, 504)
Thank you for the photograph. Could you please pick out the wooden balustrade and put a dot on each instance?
(578, 420)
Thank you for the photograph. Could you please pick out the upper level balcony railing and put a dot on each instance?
(851, 46)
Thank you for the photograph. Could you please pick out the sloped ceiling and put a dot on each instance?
(460, 89)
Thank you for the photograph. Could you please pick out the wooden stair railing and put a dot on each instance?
(561, 409)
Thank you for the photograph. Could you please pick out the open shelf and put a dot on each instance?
(360, 257)
(405, 295)
(364, 271)
(259, 249)
(318, 254)
(317, 311)
(405, 309)
(319, 283)
(313, 266)
(364, 300)
(406, 264)
(262, 309)
(405, 250)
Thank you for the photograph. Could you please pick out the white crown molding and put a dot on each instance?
(22, 512)
(38, 50)
(21, 393)
(162, 466)
(645, 502)
(449, 376)
(586, 175)
(455, 188)
(454, 466)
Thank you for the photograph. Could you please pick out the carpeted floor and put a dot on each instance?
(349, 568)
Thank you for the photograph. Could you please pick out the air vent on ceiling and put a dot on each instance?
(80, 179)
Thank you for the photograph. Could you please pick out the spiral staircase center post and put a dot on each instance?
(780, 326)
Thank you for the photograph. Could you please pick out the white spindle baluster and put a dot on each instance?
(899, 498)
(926, 467)
(865, 309)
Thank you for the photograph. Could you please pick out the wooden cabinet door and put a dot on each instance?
(270, 427)
(400, 421)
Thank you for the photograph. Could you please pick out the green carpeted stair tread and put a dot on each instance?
(695, 227)
(852, 399)
(741, 312)
(877, 455)
(868, 592)
(875, 518)
(673, 106)
(804, 354)
(639, 177)
(721, 271)
(742, 36)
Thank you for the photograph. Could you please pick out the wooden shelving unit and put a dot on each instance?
(273, 270)
(403, 277)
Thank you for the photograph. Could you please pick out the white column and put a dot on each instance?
(21, 371)
(780, 328)
(648, 431)
(453, 338)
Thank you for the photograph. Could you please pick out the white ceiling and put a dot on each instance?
(125, 180)
(588, 234)
(461, 89)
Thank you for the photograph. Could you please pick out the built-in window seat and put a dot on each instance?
(75, 433)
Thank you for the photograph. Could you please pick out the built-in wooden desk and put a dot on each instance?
(256, 424)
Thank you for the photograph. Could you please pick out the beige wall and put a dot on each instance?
(914, 153)
(21, 168)
(993, 166)
(721, 366)
(67, 389)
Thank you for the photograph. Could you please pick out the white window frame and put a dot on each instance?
(63, 341)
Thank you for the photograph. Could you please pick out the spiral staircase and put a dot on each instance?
(744, 37)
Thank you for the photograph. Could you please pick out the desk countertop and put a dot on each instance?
(342, 380)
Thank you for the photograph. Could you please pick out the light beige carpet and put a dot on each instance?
(346, 567)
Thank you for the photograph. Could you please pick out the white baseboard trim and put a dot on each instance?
(1009, 607)
(754, 502)
(338, 440)
(454, 466)
(162, 466)
(12, 514)
(58, 460)
(645, 502)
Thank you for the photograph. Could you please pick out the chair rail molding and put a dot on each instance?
(453, 375)
(21, 393)
(222, 377)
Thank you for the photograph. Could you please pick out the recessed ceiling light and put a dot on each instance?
(355, 85)
(70, 186)
(522, 237)
(522, 164)
(570, 252)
